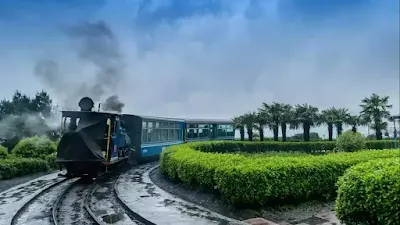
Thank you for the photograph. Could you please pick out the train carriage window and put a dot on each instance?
(150, 124)
(144, 124)
(149, 136)
(164, 136)
(157, 125)
(170, 134)
(175, 134)
(145, 136)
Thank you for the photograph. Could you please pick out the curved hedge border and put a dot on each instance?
(266, 146)
(258, 180)
(370, 192)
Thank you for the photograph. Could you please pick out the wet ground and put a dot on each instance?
(71, 209)
(9, 183)
(11, 200)
(140, 194)
(105, 205)
(38, 211)
(310, 213)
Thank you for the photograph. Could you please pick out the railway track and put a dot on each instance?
(35, 207)
(76, 201)
(105, 206)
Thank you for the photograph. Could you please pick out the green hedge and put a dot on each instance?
(369, 193)
(309, 147)
(3, 152)
(14, 167)
(258, 180)
(35, 147)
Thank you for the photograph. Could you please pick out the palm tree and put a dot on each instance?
(239, 124)
(375, 109)
(341, 115)
(328, 116)
(273, 113)
(286, 118)
(354, 121)
(261, 121)
(249, 119)
(306, 116)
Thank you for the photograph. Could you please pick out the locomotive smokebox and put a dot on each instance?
(86, 104)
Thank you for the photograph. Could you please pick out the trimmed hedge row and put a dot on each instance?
(369, 193)
(14, 167)
(309, 147)
(257, 180)
(30, 155)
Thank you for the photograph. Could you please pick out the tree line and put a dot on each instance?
(374, 113)
(24, 116)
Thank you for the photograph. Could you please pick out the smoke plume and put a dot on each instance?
(27, 124)
(96, 45)
(112, 103)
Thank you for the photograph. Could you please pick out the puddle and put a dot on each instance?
(113, 218)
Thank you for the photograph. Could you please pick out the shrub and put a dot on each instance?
(10, 168)
(3, 152)
(51, 160)
(271, 146)
(368, 193)
(350, 141)
(34, 147)
(258, 180)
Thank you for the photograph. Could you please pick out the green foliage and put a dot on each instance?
(3, 152)
(368, 193)
(260, 180)
(51, 160)
(271, 146)
(34, 147)
(14, 167)
(350, 141)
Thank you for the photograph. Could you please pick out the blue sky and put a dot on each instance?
(212, 59)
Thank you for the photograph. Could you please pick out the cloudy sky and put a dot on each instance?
(202, 58)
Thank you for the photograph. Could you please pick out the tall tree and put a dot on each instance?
(249, 120)
(239, 124)
(341, 115)
(261, 120)
(328, 116)
(274, 113)
(354, 121)
(307, 116)
(375, 109)
(286, 118)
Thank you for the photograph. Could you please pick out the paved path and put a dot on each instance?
(161, 208)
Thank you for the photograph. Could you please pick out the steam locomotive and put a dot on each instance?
(93, 142)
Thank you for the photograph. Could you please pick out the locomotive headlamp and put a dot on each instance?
(86, 104)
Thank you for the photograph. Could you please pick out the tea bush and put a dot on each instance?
(369, 193)
(35, 147)
(14, 167)
(350, 141)
(307, 147)
(260, 180)
(3, 152)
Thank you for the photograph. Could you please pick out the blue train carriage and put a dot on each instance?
(157, 134)
(203, 130)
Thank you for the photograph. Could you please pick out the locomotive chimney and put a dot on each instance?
(86, 104)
